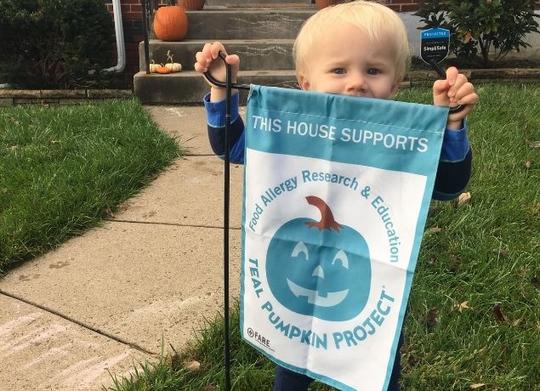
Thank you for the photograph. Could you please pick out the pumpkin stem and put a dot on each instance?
(327, 217)
(169, 56)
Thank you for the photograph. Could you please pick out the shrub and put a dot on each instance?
(491, 28)
(54, 43)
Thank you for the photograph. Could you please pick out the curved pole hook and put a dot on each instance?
(212, 80)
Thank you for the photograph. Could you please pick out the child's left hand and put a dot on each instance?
(454, 90)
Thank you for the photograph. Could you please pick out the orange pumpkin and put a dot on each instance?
(162, 69)
(170, 23)
(327, 3)
(192, 5)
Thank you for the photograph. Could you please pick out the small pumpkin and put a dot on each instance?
(173, 66)
(192, 5)
(170, 23)
(327, 3)
(162, 69)
(154, 66)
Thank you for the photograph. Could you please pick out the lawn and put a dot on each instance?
(474, 315)
(62, 169)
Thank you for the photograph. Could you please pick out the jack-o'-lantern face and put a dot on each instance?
(321, 268)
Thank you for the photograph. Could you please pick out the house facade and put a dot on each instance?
(133, 30)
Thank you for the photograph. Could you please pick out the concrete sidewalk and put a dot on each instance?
(104, 301)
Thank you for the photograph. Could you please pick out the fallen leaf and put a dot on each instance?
(501, 252)
(193, 366)
(464, 198)
(528, 164)
(534, 144)
(432, 318)
(517, 322)
(467, 38)
(476, 385)
(535, 208)
(499, 315)
(109, 213)
(434, 230)
(462, 306)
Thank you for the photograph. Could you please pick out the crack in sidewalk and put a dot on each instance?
(165, 223)
(81, 324)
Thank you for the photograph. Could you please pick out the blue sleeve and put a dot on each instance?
(454, 169)
(216, 129)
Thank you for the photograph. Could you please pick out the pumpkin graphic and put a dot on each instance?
(319, 268)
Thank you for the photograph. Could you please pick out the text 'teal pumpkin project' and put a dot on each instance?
(337, 191)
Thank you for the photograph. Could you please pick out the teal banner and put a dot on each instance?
(336, 196)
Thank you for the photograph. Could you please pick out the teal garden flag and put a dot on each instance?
(336, 196)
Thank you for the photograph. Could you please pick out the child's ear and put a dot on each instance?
(303, 81)
(395, 89)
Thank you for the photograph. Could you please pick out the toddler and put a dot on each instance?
(358, 48)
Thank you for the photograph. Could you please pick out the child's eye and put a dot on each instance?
(339, 71)
(373, 71)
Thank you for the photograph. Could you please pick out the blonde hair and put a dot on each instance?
(377, 20)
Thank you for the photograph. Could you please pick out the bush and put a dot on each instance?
(492, 28)
(54, 43)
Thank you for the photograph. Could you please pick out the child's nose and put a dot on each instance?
(356, 83)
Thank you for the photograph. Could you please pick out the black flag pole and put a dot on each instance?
(226, 198)
(228, 85)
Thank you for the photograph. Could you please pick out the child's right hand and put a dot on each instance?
(208, 60)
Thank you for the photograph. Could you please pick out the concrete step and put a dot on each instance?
(256, 3)
(212, 24)
(254, 53)
(189, 87)
(266, 55)
(269, 5)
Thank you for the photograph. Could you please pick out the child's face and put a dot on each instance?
(346, 62)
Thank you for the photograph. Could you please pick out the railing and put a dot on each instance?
(148, 8)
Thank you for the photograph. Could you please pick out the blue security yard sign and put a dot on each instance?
(434, 45)
(336, 196)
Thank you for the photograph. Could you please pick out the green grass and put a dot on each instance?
(64, 168)
(486, 254)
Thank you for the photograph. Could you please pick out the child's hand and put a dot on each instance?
(208, 60)
(454, 90)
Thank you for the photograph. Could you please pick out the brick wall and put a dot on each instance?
(133, 33)
(403, 5)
